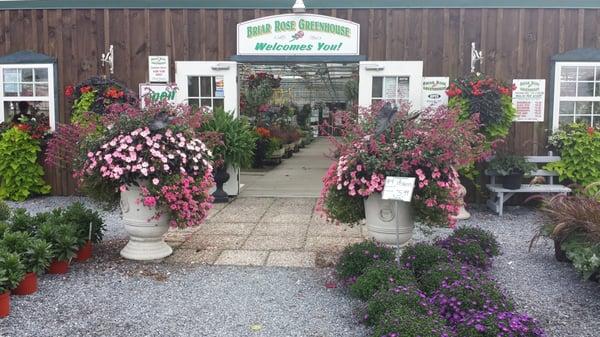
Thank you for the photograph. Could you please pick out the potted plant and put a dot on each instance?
(35, 255)
(383, 142)
(275, 150)
(237, 149)
(22, 221)
(511, 168)
(63, 240)
(12, 272)
(89, 227)
(262, 144)
(154, 162)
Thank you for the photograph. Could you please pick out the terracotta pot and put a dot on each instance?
(85, 252)
(27, 286)
(4, 304)
(58, 267)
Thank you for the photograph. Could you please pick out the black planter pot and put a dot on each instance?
(559, 254)
(260, 154)
(221, 177)
(512, 181)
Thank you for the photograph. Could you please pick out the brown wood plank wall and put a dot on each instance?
(517, 43)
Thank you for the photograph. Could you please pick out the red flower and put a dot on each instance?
(591, 130)
(85, 89)
(69, 90)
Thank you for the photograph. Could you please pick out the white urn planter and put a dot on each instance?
(144, 229)
(381, 220)
(463, 214)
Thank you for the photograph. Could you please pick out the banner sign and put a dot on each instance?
(434, 91)
(298, 34)
(156, 92)
(398, 188)
(158, 69)
(528, 99)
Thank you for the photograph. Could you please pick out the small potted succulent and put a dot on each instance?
(511, 168)
(89, 227)
(64, 240)
(35, 255)
(12, 272)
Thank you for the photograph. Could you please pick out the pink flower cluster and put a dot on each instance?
(356, 179)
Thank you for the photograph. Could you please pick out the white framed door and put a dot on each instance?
(393, 81)
(210, 84)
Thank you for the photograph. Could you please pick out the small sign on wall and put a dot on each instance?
(398, 188)
(528, 99)
(156, 92)
(158, 69)
(434, 91)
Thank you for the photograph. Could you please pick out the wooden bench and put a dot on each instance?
(500, 195)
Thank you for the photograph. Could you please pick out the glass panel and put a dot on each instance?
(377, 90)
(584, 119)
(206, 102)
(219, 86)
(219, 103)
(568, 73)
(41, 75)
(597, 73)
(26, 75)
(597, 92)
(390, 88)
(193, 89)
(193, 102)
(206, 86)
(26, 90)
(585, 89)
(11, 89)
(567, 108)
(586, 74)
(583, 108)
(567, 89)
(562, 120)
(375, 101)
(11, 75)
(13, 111)
(403, 87)
(597, 108)
(41, 89)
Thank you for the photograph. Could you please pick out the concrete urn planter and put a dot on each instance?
(144, 229)
(381, 220)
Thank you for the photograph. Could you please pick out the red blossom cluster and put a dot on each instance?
(114, 93)
(478, 87)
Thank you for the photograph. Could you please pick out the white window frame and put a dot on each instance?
(51, 90)
(557, 98)
(411, 69)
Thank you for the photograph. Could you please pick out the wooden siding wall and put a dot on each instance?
(517, 43)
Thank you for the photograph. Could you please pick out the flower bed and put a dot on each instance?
(437, 290)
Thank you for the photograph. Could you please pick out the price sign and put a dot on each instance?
(398, 188)
(528, 99)
(158, 68)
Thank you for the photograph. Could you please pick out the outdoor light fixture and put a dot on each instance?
(373, 67)
(299, 7)
(220, 66)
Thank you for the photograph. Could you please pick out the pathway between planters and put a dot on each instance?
(283, 232)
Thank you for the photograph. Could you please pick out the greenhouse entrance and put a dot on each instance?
(288, 104)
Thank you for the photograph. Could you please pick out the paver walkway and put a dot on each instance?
(263, 232)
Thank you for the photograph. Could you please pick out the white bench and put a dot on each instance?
(500, 195)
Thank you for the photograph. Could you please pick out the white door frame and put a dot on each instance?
(411, 69)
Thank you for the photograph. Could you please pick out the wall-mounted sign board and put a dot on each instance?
(434, 91)
(528, 98)
(156, 92)
(158, 69)
(298, 34)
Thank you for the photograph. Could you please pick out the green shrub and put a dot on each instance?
(584, 255)
(465, 250)
(486, 239)
(12, 271)
(4, 211)
(20, 173)
(406, 322)
(35, 254)
(381, 276)
(432, 279)
(81, 218)
(357, 257)
(423, 256)
(22, 221)
(4, 227)
(62, 237)
(493, 324)
(388, 299)
(344, 208)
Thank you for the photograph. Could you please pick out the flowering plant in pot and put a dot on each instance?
(511, 168)
(12, 272)
(154, 160)
(63, 240)
(89, 226)
(35, 254)
(383, 143)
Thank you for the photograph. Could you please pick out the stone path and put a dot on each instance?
(283, 232)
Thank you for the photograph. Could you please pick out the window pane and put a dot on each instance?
(193, 89)
(583, 108)
(584, 119)
(567, 108)
(586, 74)
(219, 86)
(194, 102)
(390, 88)
(219, 103)
(375, 101)
(585, 89)
(568, 73)
(11, 75)
(377, 91)
(41, 89)
(41, 75)
(13, 111)
(567, 89)
(26, 75)
(562, 120)
(403, 87)
(206, 86)
(11, 89)
(597, 108)
(26, 90)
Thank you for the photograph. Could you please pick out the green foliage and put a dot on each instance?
(579, 147)
(20, 173)
(273, 145)
(35, 254)
(422, 256)
(466, 250)
(486, 239)
(505, 165)
(62, 237)
(584, 255)
(81, 105)
(239, 138)
(357, 257)
(389, 299)
(5, 211)
(405, 321)
(81, 218)
(381, 276)
(12, 271)
(344, 208)
(15, 242)
(22, 221)
(432, 279)
(4, 227)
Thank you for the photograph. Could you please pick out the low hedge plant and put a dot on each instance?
(486, 239)
(432, 280)
(381, 276)
(422, 256)
(356, 258)
(465, 250)
(405, 321)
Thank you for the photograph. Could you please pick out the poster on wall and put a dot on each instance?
(219, 86)
(156, 92)
(434, 91)
(528, 99)
(158, 69)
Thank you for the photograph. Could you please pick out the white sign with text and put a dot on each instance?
(434, 91)
(398, 188)
(528, 99)
(158, 69)
(156, 92)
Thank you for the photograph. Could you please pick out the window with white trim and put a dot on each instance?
(27, 90)
(390, 88)
(576, 93)
(206, 91)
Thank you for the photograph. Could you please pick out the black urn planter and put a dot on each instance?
(260, 154)
(512, 181)
(559, 254)
(221, 177)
